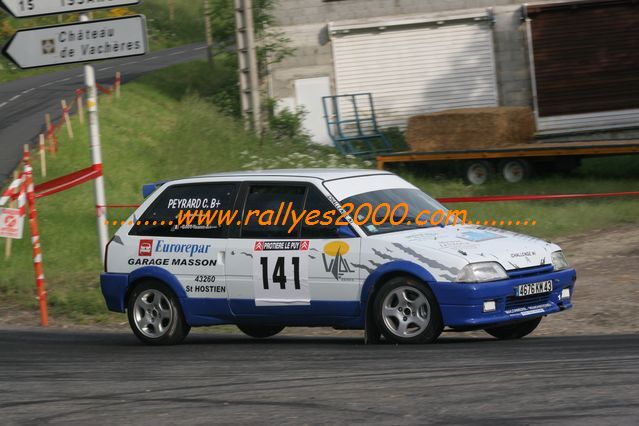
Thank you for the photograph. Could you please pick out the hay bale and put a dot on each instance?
(470, 128)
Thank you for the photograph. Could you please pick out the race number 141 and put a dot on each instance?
(281, 278)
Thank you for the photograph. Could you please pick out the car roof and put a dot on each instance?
(321, 174)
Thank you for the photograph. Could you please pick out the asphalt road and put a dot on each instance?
(94, 378)
(24, 102)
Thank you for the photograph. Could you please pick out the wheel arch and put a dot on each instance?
(388, 271)
(158, 274)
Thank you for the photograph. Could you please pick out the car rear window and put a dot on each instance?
(161, 218)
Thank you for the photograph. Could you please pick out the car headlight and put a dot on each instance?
(559, 261)
(481, 271)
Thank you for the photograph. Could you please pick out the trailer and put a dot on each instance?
(514, 163)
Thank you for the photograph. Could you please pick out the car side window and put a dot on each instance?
(269, 210)
(197, 206)
(320, 225)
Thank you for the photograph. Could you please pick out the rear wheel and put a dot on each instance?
(406, 311)
(514, 331)
(515, 171)
(155, 315)
(477, 172)
(260, 332)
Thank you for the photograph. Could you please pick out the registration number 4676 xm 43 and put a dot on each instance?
(534, 288)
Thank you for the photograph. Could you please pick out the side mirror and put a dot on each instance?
(345, 231)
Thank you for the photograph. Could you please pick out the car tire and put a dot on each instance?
(155, 314)
(514, 331)
(259, 331)
(406, 311)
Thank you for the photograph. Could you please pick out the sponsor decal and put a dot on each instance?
(155, 261)
(281, 245)
(334, 261)
(456, 245)
(191, 249)
(478, 236)
(11, 223)
(530, 310)
(145, 248)
(525, 254)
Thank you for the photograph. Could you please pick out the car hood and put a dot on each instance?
(477, 244)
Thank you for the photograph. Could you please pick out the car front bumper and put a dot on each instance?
(462, 304)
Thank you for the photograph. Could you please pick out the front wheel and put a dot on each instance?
(406, 311)
(260, 332)
(514, 331)
(155, 315)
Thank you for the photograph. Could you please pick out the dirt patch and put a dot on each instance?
(606, 298)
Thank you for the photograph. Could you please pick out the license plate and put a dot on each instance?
(534, 288)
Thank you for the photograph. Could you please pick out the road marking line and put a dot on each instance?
(151, 59)
(130, 63)
(47, 84)
(199, 48)
(2, 104)
(28, 90)
(14, 98)
(177, 53)
(105, 68)
(79, 75)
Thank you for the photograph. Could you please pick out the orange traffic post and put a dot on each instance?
(118, 80)
(67, 121)
(53, 144)
(35, 239)
(43, 156)
(79, 102)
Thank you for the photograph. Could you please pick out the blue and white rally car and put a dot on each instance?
(262, 271)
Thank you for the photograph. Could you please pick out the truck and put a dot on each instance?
(483, 142)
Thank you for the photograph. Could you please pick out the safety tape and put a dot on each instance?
(68, 181)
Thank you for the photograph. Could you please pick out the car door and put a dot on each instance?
(266, 266)
(193, 250)
(278, 269)
(334, 253)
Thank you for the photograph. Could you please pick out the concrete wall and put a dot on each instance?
(305, 23)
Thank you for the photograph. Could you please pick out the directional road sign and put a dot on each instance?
(29, 8)
(80, 42)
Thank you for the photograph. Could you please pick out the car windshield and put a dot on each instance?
(406, 205)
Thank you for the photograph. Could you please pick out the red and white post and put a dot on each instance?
(35, 238)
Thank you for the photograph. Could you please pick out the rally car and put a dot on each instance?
(403, 282)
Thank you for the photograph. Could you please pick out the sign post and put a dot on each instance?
(31, 8)
(96, 153)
